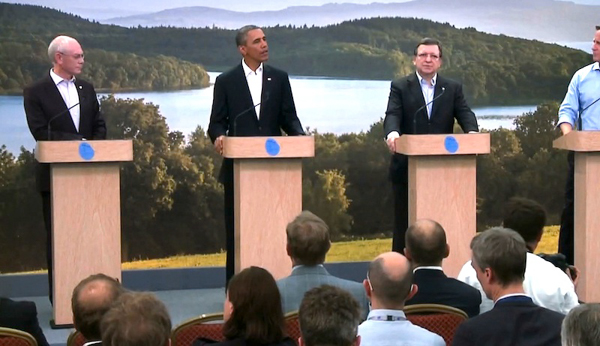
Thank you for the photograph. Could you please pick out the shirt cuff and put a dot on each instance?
(393, 134)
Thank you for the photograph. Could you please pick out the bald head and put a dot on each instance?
(91, 299)
(61, 44)
(390, 276)
(426, 243)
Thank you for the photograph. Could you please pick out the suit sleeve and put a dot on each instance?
(393, 113)
(219, 115)
(289, 118)
(33, 325)
(99, 126)
(465, 116)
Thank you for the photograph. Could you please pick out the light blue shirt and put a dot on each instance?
(428, 91)
(583, 91)
(378, 330)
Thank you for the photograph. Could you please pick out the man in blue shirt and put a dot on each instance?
(580, 109)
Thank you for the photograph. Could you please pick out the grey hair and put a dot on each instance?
(58, 45)
(242, 34)
(580, 327)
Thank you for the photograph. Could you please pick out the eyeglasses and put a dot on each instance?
(369, 281)
(424, 56)
(74, 56)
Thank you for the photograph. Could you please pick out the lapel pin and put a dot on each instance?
(80, 87)
(269, 78)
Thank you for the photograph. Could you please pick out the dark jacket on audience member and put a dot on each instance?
(22, 316)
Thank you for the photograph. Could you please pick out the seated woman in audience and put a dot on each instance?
(252, 312)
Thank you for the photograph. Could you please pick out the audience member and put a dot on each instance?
(426, 247)
(329, 316)
(252, 311)
(136, 319)
(21, 315)
(307, 245)
(546, 284)
(580, 327)
(91, 299)
(388, 286)
(499, 258)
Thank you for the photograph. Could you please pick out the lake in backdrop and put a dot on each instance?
(326, 104)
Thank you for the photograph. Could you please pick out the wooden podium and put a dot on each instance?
(442, 186)
(586, 145)
(268, 195)
(86, 213)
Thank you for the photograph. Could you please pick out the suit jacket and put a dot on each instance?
(43, 101)
(436, 288)
(21, 315)
(233, 112)
(303, 278)
(406, 98)
(512, 323)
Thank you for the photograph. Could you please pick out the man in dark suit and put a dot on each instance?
(499, 258)
(21, 315)
(307, 245)
(426, 247)
(420, 103)
(252, 99)
(61, 107)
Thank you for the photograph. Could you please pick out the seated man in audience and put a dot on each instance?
(499, 257)
(307, 245)
(426, 247)
(580, 327)
(136, 319)
(21, 315)
(91, 299)
(547, 285)
(388, 286)
(329, 316)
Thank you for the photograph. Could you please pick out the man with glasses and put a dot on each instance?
(61, 107)
(389, 286)
(421, 103)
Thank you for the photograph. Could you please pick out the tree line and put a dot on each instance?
(172, 203)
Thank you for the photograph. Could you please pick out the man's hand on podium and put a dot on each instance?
(219, 144)
(391, 141)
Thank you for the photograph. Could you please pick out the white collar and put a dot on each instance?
(428, 267)
(433, 80)
(511, 295)
(248, 70)
(57, 79)
(89, 343)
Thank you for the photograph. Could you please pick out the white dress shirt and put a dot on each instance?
(385, 327)
(255, 81)
(68, 91)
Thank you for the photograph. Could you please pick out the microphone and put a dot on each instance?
(423, 107)
(580, 121)
(58, 115)
(248, 110)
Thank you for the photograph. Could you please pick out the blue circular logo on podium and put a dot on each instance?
(451, 144)
(86, 151)
(272, 147)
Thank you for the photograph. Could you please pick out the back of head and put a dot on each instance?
(526, 217)
(90, 300)
(136, 319)
(390, 279)
(426, 243)
(329, 316)
(308, 239)
(580, 327)
(257, 315)
(503, 251)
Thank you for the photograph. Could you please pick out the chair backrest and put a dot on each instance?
(14, 337)
(76, 339)
(292, 325)
(209, 326)
(439, 319)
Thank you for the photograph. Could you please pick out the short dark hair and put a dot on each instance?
(257, 314)
(308, 239)
(136, 319)
(242, 34)
(88, 310)
(580, 326)
(427, 41)
(390, 291)
(328, 316)
(503, 251)
(597, 27)
(526, 217)
(426, 240)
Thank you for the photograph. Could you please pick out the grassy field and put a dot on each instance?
(347, 251)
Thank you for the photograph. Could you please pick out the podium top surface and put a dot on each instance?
(581, 141)
(269, 147)
(444, 144)
(84, 151)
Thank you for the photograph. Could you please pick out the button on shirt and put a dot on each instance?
(428, 90)
(68, 91)
(255, 81)
(385, 327)
(583, 91)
